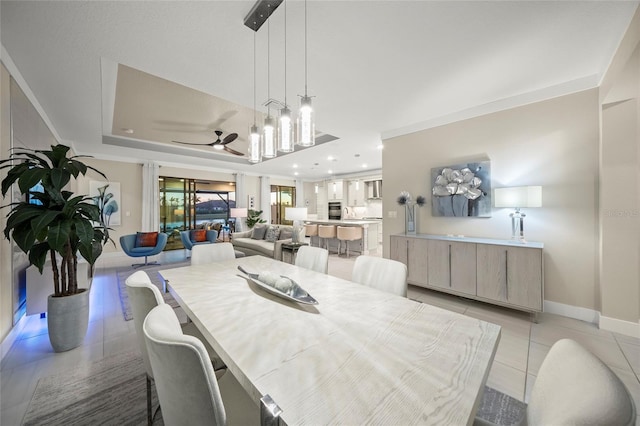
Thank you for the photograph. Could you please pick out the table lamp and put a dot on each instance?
(518, 197)
(238, 213)
(297, 215)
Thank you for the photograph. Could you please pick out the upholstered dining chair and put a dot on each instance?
(573, 387)
(314, 258)
(135, 246)
(380, 273)
(185, 381)
(208, 253)
(144, 296)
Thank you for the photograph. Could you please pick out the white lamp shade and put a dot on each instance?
(518, 196)
(295, 213)
(238, 212)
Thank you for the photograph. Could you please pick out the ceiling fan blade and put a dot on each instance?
(198, 144)
(229, 138)
(232, 151)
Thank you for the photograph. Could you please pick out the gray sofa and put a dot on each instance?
(247, 242)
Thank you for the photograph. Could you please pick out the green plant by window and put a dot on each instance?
(253, 217)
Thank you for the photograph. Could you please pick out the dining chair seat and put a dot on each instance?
(380, 273)
(314, 258)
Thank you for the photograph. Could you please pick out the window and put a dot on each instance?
(281, 198)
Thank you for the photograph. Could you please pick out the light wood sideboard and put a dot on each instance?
(502, 272)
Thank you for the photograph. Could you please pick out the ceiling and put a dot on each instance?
(180, 70)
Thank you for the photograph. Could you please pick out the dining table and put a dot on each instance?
(358, 356)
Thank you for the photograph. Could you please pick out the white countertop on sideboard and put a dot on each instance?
(345, 222)
(464, 239)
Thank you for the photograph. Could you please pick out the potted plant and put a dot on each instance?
(53, 223)
(253, 217)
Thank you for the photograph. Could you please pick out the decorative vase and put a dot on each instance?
(410, 219)
(68, 320)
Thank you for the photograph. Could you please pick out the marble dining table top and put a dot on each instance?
(360, 356)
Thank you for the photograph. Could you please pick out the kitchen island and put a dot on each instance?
(368, 243)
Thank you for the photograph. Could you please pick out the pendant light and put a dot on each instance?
(306, 134)
(285, 129)
(255, 156)
(268, 131)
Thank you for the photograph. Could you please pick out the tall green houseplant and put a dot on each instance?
(57, 222)
(253, 218)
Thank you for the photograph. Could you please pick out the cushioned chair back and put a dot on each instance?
(383, 274)
(128, 244)
(208, 253)
(314, 258)
(143, 296)
(185, 381)
(574, 387)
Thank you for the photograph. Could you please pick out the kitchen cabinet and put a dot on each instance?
(355, 193)
(335, 190)
(502, 272)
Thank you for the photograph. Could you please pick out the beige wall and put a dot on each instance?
(620, 181)
(6, 298)
(553, 144)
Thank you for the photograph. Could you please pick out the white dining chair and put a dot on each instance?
(144, 296)
(209, 253)
(314, 258)
(185, 380)
(380, 273)
(573, 387)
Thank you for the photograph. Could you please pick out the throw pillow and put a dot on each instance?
(258, 232)
(285, 234)
(146, 239)
(198, 235)
(272, 234)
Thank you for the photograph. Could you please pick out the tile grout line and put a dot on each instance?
(637, 376)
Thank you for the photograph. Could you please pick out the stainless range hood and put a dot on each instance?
(374, 190)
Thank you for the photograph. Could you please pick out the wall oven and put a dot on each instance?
(335, 210)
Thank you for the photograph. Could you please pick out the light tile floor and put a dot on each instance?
(522, 347)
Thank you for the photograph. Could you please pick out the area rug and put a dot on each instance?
(110, 391)
(152, 271)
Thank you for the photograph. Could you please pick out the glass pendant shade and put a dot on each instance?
(306, 132)
(268, 138)
(254, 145)
(285, 131)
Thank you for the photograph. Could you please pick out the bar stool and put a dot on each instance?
(348, 233)
(325, 232)
(311, 230)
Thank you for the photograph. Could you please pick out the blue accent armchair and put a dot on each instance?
(128, 244)
(185, 236)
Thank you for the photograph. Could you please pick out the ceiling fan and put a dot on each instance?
(218, 144)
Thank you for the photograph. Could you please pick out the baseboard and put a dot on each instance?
(628, 328)
(576, 312)
(12, 336)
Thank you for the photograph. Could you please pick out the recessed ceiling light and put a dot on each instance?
(330, 172)
(330, 158)
(296, 173)
(295, 166)
(380, 146)
(364, 166)
(128, 131)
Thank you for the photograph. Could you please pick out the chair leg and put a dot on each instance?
(146, 263)
(149, 413)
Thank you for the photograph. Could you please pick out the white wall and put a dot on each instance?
(553, 144)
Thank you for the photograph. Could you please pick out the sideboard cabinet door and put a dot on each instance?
(511, 275)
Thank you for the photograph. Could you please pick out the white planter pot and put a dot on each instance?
(68, 319)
